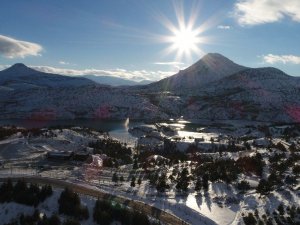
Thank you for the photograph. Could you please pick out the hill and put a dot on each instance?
(211, 67)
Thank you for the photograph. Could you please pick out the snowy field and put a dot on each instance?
(221, 204)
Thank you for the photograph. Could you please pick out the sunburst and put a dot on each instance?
(185, 38)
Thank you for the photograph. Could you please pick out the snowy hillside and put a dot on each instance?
(211, 67)
(26, 93)
(265, 94)
(213, 88)
(80, 102)
(20, 76)
(115, 81)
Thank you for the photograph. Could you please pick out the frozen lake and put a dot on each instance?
(116, 128)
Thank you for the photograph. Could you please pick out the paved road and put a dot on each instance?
(165, 217)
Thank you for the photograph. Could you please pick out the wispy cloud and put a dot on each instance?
(13, 48)
(136, 75)
(223, 27)
(285, 59)
(254, 12)
(63, 63)
(169, 63)
(2, 67)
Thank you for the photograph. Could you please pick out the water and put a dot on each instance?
(116, 128)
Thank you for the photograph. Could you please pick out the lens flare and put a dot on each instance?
(185, 38)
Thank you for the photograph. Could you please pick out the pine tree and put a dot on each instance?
(132, 184)
(115, 178)
(139, 181)
(205, 182)
(198, 185)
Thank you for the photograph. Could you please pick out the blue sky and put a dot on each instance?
(125, 38)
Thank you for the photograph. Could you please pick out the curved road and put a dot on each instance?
(163, 216)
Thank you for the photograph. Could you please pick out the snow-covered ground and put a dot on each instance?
(10, 211)
(221, 204)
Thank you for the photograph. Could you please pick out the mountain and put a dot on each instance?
(254, 94)
(211, 67)
(29, 94)
(114, 81)
(265, 94)
(20, 76)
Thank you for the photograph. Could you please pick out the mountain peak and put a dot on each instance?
(214, 55)
(19, 65)
(214, 66)
(211, 67)
(19, 69)
(211, 59)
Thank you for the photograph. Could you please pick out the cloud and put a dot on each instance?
(63, 63)
(223, 27)
(136, 75)
(169, 63)
(2, 67)
(13, 48)
(285, 59)
(254, 12)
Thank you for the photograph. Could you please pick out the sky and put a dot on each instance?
(147, 39)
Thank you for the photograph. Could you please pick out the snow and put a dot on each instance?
(222, 204)
(214, 88)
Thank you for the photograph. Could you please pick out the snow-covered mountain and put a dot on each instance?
(20, 76)
(266, 94)
(211, 67)
(27, 93)
(213, 88)
(115, 81)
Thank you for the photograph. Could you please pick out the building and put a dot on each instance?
(60, 155)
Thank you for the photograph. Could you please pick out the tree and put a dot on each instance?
(6, 191)
(139, 218)
(250, 219)
(69, 204)
(153, 178)
(162, 183)
(139, 181)
(183, 180)
(198, 185)
(281, 209)
(54, 220)
(281, 147)
(71, 222)
(205, 182)
(243, 185)
(263, 187)
(132, 184)
(135, 164)
(115, 178)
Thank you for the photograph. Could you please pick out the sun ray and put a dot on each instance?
(185, 38)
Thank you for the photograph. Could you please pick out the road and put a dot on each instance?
(80, 188)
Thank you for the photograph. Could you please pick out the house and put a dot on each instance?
(96, 160)
(60, 155)
(81, 156)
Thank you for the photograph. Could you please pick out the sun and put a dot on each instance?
(185, 41)
(185, 38)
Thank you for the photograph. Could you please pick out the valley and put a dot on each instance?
(204, 174)
(217, 143)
